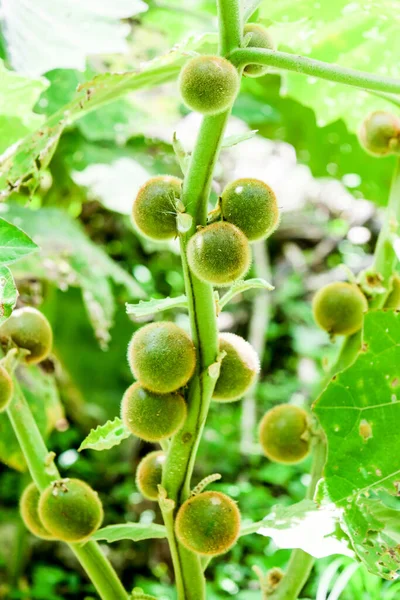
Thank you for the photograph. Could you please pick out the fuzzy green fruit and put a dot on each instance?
(339, 308)
(379, 133)
(154, 210)
(219, 254)
(208, 523)
(6, 388)
(29, 510)
(70, 510)
(260, 38)
(284, 435)
(149, 474)
(251, 205)
(162, 357)
(239, 368)
(393, 300)
(152, 416)
(209, 84)
(30, 330)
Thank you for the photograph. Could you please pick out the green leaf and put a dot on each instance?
(14, 243)
(232, 140)
(150, 307)
(8, 293)
(248, 7)
(106, 436)
(130, 531)
(242, 286)
(360, 412)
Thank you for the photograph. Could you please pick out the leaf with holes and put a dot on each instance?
(106, 436)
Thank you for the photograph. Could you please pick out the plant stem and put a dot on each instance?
(43, 471)
(315, 68)
(230, 26)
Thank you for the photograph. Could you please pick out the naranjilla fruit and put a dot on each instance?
(154, 209)
(393, 300)
(339, 308)
(209, 84)
(379, 133)
(219, 254)
(152, 416)
(251, 205)
(162, 357)
(30, 330)
(260, 38)
(6, 388)
(149, 474)
(208, 523)
(70, 510)
(239, 368)
(29, 510)
(284, 434)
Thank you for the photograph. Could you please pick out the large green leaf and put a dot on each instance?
(14, 243)
(360, 413)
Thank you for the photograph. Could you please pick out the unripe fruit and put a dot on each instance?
(154, 209)
(162, 357)
(6, 388)
(209, 84)
(29, 510)
(30, 330)
(70, 510)
(152, 416)
(251, 205)
(208, 523)
(284, 434)
(379, 133)
(393, 300)
(239, 368)
(149, 474)
(219, 254)
(339, 308)
(260, 38)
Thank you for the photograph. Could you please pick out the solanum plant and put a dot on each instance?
(176, 374)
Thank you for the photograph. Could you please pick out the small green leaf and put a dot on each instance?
(181, 155)
(242, 286)
(248, 7)
(105, 436)
(8, 293)
(150, 307)
(130, 531)
(232, 140)
(14, 243)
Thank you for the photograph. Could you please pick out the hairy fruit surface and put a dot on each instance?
(379, 133)
(283, 434)
(29, 510)
(154, 209)
(29, 329)
(339, 308)
(6, 388)
(149, 474)
(260, 38)
(239, 368)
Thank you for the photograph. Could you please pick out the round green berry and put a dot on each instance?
(208, 523)
(251, 205)
(339, 308)
(154, 209)
(152, 416)
(260, 38)
(162, 357)
(209, 84)
(393, 299)
(284, 434)
(149, 474)
(239, 368)
(29, 329)
(379, 133)
(219, 254)
(6, 388)
(70, 510)
(29, 510)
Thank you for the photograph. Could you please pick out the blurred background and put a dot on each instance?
(92, 261)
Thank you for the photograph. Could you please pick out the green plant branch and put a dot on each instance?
(315, 68)
(230, 26)
(43, 471)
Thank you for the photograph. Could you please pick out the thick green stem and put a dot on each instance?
(230, 26)
(315, 68)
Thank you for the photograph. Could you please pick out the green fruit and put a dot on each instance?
(152, 416)
(209, 84)
(6, 388)
(70, 510)
(260, 38)
(219, 254)
(162, 357)
(393, 300)
(239, 368)
(149, 474)
(208, 523)
(284, 434)
(379, 133)
(251, 205)
(154, 210)
(339, 308)
(29, 510)
(30, 330)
